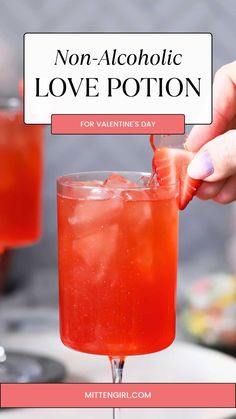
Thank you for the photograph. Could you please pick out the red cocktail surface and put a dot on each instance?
(117, 265)
(20, 180)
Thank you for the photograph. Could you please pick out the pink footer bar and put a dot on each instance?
(118, 124)
(118, 395)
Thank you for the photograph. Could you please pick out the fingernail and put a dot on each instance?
(201, 166)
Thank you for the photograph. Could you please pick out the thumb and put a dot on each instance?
(216, 160)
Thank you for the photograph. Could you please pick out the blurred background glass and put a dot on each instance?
(207, 236)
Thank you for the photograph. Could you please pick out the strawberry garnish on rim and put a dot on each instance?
(170, 166)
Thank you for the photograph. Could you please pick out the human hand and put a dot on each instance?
(215, 144)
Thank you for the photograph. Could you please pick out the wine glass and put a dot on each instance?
(117, 243)
(20, 207)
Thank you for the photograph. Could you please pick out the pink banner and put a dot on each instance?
(118, 395)
(117, 124)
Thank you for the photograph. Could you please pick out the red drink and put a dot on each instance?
(117, 265)
(20, 180)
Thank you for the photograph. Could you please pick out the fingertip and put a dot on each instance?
(223, 199)
(197, 137)
(202, 194)
(201, 166)
(202, 134)
(227, 194)
(209, 190)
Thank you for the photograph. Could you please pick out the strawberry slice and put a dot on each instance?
(170, 165)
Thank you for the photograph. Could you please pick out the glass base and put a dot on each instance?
(27, 368)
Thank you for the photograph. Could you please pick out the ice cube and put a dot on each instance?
(139, 221)
(118, 181)
(92, 215)
(88, 190)
(152, 182)
(97, 251)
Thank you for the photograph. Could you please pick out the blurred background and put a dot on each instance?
(207, 243)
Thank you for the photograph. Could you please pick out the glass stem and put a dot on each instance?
(2, 354)
(117, 366)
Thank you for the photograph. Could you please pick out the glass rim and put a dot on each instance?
(63, 180)
(9, 103)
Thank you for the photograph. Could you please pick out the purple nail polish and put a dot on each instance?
(201, 166)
